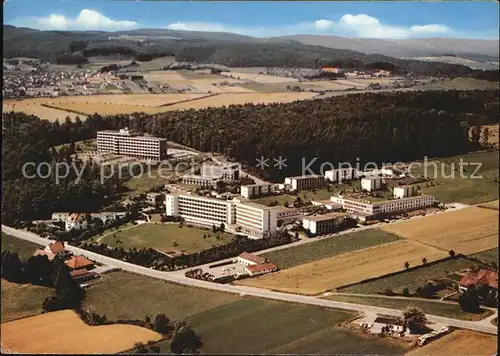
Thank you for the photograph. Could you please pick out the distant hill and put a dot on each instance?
(477, 50)
(233, 50)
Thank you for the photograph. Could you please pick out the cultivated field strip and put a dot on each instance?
(330, 273)
(64, 332)
(465, 231)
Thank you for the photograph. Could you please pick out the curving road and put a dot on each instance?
(178, 277)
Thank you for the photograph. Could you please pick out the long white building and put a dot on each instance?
(248, 218)
(125, 143)
(376, 208)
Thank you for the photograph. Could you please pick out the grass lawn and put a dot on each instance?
(146, 182)
(329, 247)
(23, 248)
(487, 256)
(463, 190)
(122, 295)
(163, 236)
(429, 307)
(256, 326)
(410, 279)
(22, 300)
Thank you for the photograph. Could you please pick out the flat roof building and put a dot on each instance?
(322, 224)
(254, 190)
(125, 143)
(369, 208)
(305, 182)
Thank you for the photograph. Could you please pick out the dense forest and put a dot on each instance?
(378, 127)
(75, 48)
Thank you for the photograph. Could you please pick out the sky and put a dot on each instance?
(371, 19)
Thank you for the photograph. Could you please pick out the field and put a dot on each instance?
(490, 205)
(163, 236)
(22, 300)
(112, 104)
(466, 231)
(330, 273)
(446, 310)
(119, 103)
(229, 323)
(256, 326)
(410, 279)
(64, 332)
(241, 99)
(259, 78)
(459, 342)
(333, 246)
(488, 255)
(23, 248)
(116, 297)
(34, 107)
(451, 187)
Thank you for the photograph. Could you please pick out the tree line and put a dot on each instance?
(374, 127)
(151, 258)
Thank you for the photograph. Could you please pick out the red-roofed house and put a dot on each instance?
(261, 268)
(248, 259)
(483, 278)
(56, 248)
(39, 252)
(78, 262)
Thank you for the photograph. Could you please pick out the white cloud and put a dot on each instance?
(86, 20)
(349, 25)
(360, 25)
(323, 24)
(367, 26)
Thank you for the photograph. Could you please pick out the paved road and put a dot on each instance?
(484, 325)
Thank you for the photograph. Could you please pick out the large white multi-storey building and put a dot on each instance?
(125, 143)
(251, 219)
(227, 173)
(305, 182)
(340, 174)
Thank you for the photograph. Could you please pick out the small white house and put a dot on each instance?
(59, 217)
(76, 221)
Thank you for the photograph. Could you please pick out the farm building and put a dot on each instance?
(249, 259)
(262, 268)
(483, 278)
(78, 262)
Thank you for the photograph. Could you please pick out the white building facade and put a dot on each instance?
(372, 183)
(305, 182)
(252, 219)
(395, 206)
(340, 174)
(125, 143)
(254, 190)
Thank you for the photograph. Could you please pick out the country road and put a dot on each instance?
(483, 325)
